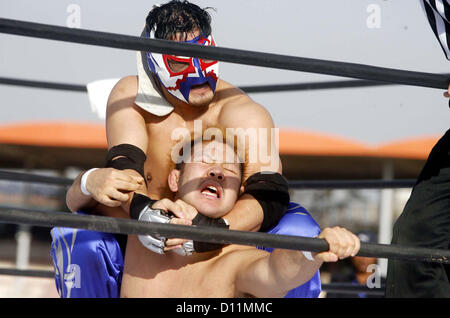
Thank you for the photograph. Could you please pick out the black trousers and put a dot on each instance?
(424, 222)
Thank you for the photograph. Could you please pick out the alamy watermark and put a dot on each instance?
(72, 277)
(74, 18)
(251, 145)
(374, 280)
(373, 20)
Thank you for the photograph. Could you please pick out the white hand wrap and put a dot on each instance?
(84, 180)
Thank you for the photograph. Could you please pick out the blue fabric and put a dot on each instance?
(298, 222)
(89, 264)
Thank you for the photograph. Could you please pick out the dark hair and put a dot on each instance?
(178, 17)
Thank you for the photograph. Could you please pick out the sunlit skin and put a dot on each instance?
(127, 123)
(361, 264)
(209, 182)
(153, 135)
(447, 93)
(233, 271)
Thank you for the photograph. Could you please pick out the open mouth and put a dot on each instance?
(211, 190)
(200, 86)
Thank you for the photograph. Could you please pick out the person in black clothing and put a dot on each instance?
(425, 221)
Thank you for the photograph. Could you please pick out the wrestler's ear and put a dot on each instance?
(174, 177)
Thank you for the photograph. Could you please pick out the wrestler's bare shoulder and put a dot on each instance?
(235, 101)
(126, 87)
(229, 94)
(122, 98)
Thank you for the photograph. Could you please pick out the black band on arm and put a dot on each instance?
(202, 220)
(138, 203)
(271, 190)
(126, 156)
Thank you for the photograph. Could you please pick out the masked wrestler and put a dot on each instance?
(169, 93)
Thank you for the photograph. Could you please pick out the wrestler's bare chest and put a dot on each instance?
(165, 139)
(171, 275)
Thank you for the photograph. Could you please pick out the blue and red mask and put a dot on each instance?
(178, 74)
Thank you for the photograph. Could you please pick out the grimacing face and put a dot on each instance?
(209, 183)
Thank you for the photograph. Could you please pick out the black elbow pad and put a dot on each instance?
(126, 156)
(272, 193)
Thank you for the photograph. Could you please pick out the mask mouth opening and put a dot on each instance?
(202, 85)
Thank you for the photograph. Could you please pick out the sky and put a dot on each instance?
(388, 33)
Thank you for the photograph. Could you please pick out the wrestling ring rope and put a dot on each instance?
(285, 62)
(293, 184)
(20, 215)
(247, 89)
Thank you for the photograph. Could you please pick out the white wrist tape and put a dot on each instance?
(83, 181)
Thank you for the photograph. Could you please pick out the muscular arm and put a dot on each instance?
(275, 274)
(109, 187)
(254, 127)
(124, 124)
(88, 204)
(76, 200)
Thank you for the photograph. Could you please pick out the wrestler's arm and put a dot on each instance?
(275, 274)
(247, 214)
(124, 124)
(108, 187)
(76, 200)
